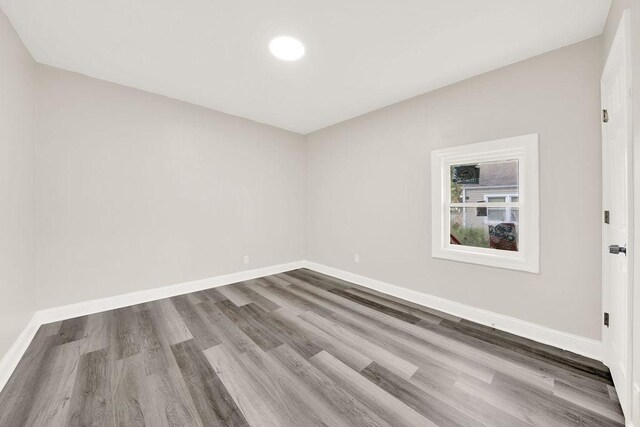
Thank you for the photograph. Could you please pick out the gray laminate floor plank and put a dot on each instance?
(354, 410)
(213, 401)
(91, 403)
(388, 407)
(522, 362)
(344, 285)
(48, 329)
(381, 324)
(534, 348)
(71, 330)
(286, 298)
(155, 357)
(127, 387)
(283, 331)
(548, 407)
(449, 351)
(297, 349)
(264, 303)
(169, 321)
(342, 351)
(298, 398)
(214, 295)
(202, 334)
(389, 311)
(278, 295)
(429, 406)
(422, 314)
(252, 399)
(250, 325)
(369, 348)
(226, 329)
(602, 405)
(234, 294)
(127, 342)
(51, 403)
(567, 361)
(417, 351)
(295, 278)
(321, 280)
(16, 399)
(169, 400)
(466, 403)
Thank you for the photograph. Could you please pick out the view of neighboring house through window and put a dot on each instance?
(494, 184)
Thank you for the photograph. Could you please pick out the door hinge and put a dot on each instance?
(606, 320)
(606, 217)
(605, 116)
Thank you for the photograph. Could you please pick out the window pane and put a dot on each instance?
(497, 215)
(470, 229)
(480, 182)
(497, 199)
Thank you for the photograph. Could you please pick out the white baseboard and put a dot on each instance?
(566, 341)
(587, 347)
(103, 304)
(41, 317)
(16, 351)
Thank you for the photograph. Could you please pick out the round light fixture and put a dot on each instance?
(286, 48)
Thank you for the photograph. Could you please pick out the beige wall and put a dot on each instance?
(137, 191)
(369, 188)
(17, 209)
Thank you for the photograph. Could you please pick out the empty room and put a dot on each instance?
(319, 213)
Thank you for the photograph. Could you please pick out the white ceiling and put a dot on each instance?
(361, 54)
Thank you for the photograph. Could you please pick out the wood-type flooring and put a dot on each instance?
(297, 349)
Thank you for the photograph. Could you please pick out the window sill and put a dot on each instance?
(508, 260)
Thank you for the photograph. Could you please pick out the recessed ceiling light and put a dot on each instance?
(287, 48)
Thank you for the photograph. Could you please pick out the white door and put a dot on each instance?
(617, 203)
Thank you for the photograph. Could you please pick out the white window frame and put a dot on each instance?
(522, 148)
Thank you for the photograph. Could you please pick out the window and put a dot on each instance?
(485, 203)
